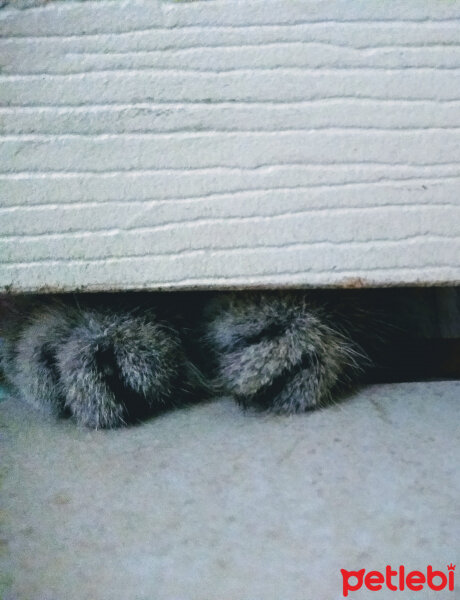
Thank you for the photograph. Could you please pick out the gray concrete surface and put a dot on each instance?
(211, 504)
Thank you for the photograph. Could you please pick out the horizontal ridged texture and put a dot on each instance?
(224, 143)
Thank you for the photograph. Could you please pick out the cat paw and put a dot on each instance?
(278, 352)
(105, 368)
(118, 368)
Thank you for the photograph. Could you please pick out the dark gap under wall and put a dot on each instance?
(431, 316)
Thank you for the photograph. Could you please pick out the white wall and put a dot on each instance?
(229, 143)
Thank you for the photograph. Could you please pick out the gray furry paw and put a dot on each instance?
(106, 368)
(278, 352)
(116, 368)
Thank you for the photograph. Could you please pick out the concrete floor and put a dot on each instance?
(210, 504)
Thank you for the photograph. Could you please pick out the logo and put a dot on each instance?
(398, 580)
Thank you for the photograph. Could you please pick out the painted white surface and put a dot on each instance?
(225, 143)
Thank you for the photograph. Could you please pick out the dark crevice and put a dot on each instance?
(415, 360)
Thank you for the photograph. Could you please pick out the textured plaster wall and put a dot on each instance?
(151, 144)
